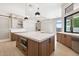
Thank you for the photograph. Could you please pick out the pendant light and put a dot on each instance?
(26, 18)
(37, 13)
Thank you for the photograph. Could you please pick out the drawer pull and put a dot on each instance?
(23, 39)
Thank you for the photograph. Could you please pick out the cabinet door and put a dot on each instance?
(66, 40)
(63, 40)
(4, 27)
(20, 45)
(44, 48)
(17, 41)
(51, 45)
(59, 37)
(32, 48)
(69, 41)
(13, 37)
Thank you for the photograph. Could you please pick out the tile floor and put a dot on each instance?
(62, 50)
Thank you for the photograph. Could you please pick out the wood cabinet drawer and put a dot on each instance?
(22, 45)
(22, 49)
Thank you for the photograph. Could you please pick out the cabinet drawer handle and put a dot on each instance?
(23, 39)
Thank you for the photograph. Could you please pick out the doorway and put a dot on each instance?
(4, 27)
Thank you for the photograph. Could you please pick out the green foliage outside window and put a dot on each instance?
(76, 22)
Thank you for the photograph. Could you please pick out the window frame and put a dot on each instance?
(71, 28)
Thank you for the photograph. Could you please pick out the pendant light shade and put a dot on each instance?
(37, 13)
(38, 21)
(26, 18)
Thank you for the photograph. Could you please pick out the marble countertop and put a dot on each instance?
(72, 34)
(36, 36)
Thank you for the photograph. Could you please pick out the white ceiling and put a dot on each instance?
(48, 10)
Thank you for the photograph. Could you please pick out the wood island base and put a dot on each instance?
(32, 48)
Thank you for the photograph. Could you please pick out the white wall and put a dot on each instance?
(76, 6)
(16, 8)
(6, 9)
(48, 26)
(29, 25)
(15, 23)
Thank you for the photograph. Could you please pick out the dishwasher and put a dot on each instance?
(75, 44)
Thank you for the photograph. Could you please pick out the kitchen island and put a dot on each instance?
(35, 43)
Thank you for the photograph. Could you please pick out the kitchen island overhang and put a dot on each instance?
(35, 43)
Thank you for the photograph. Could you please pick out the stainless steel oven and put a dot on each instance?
(23, 42)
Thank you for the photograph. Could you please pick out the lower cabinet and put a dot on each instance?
(21, 43)
(59, 37)
(51, 45)
(75, 44)
(13, 37)
(33, 48)
(44, 48)
(69, 41)
(65, 39)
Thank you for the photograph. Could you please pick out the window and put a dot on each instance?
(58, 25)
(72, 23)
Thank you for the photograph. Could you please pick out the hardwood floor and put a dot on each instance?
(9, 49)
